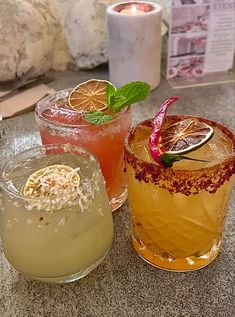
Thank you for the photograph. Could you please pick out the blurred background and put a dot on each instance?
(54, 35)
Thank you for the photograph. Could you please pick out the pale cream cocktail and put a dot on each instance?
(59, 238)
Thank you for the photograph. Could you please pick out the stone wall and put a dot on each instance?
(53, 34)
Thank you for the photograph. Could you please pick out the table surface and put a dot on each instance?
(124, 285)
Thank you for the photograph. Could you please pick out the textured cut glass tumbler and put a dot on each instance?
(178, 213)
(55, 239)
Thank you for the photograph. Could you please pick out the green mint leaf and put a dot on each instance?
(97, 117)
(110, 90)
(128, 94)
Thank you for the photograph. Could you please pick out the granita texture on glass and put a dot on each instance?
(178, 212)
(56, 222)
(61, 119)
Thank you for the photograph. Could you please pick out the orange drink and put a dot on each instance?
(178, 212)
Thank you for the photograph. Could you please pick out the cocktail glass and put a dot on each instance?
(60, 238)
(178, 213)
(58, 123)
(2, 131)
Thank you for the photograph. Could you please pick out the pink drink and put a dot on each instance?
(58, 123)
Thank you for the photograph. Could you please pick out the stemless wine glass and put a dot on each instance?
(58, 123)
(178, 212)
(58, 238)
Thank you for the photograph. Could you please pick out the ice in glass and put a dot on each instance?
(178, 212)
(55, 237)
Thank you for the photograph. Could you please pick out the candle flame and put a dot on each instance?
(133, 9)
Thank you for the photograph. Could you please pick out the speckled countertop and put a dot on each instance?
(124, 285)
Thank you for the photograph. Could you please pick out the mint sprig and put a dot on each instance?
(118, 99)
(97, 117)
(127, 95)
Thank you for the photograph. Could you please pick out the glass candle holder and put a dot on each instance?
(58, 123)
(178, 213)
(58, 238)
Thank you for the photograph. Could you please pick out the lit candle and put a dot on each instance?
(132, 11)
(134, 47)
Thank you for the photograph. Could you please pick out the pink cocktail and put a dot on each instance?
(60, 124)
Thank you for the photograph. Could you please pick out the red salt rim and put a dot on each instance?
(184, 181)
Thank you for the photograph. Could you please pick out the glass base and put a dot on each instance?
(68, 278)
(167, 263)
(118, 201)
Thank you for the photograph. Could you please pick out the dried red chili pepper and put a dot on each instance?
(155, 145)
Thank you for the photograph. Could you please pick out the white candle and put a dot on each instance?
(132, 11)
(134, 47)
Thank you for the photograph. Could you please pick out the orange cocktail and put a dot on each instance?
(59, 123)
(178, 212)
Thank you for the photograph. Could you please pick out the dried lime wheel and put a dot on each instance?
(89, 96)
(185, 136)
(166, 145)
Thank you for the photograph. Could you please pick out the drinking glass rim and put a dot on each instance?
(38, 114)
(49, 146)
(115, 8)
(229, 133)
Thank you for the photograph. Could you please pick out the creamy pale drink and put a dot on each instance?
(56, 223)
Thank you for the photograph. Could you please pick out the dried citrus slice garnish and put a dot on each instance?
(167, 144)
(53, 181)
(89, 96)
(185, 136)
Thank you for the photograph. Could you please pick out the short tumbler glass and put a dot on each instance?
(178, 213)
(59, 123)
(55, 239)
